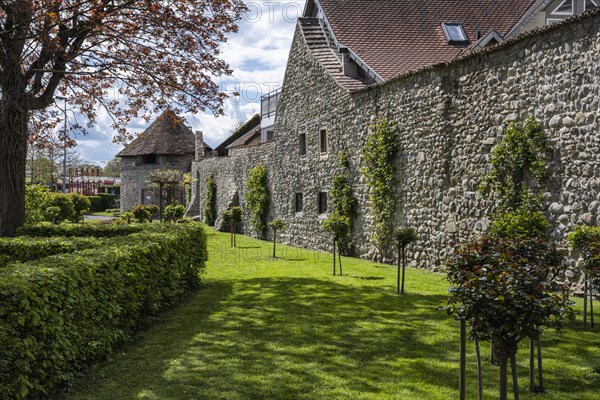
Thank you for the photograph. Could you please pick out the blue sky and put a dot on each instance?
(257, 54)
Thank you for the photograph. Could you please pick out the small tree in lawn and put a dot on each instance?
(404, 236)
(339, 227)
(587, 240)
(506, 289)
(233, 216)
(276, 225)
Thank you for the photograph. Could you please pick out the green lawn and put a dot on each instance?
(288, 329)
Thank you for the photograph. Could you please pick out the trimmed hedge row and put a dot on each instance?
(45, 229)
(61, 312)
(26, 248)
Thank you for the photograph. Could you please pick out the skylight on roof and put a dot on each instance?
(454, 32)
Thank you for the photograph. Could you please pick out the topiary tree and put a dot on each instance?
(233, 217)
(403, 236)
(210, 207)
(587, 240)
(174, 212)
(506, 289)
(339, 227)
(81, 205)
(379, 157)
(276, 225)
(142, 213)
(258, 199)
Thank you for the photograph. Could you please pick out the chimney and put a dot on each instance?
(199, 145)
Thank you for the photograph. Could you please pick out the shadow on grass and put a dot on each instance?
(284, 338)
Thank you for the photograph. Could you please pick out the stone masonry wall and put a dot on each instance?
(450, 116)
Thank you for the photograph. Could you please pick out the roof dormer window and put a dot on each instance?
(590, 4)
(454, 32)
(564, 8)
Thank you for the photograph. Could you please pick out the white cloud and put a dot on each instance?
(258, 56)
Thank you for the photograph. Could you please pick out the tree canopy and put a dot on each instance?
(130, 57)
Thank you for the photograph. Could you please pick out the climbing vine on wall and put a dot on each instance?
(210, 207)
(519, 167)
(379, 157)
(342, 198)
(258, 199)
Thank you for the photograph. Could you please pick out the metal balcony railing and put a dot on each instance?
(268, 103)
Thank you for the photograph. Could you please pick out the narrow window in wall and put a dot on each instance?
(322, 202)
(270, 135)
(302, 144)
(298, 202)
(323, 141)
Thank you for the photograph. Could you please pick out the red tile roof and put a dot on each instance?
(394, 37)
(317, 43)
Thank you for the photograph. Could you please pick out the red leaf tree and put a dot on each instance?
(131, 57)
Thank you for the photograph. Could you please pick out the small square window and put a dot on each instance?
(150, 159)
(323, 141)
(454, 32)
(270, 135)
(298, 202)
(322, 202)
(302, 144)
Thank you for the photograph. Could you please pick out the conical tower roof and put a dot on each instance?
(166, 135)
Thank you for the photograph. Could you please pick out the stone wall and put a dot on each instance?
(135, 176)
(450, 116)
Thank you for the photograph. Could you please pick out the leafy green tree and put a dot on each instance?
(112, 168)
(519, 167)
(36, 197)
(210, 207)
(64, 205)
(339, 227)
(506, 289)
(379, 156)
(404, 236)
(81, 205)
(258, 199)
(277, 225)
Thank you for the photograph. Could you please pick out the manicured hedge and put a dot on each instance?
(96, 203)
(26, 248)
(94, 230)
(61, 312)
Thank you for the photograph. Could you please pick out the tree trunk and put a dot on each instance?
(160, 202)
(274, 241)
(231, 234)
(531, 365)
(515, 378)
(503, 360)
(585, 298)
(591, 290)
(463, 359)
(13, 157)
(479, 371)
(539, 357)
(493, 359)
(234, 235)
(399, 261)
(340, 260)
(334, 258)
(403, 269)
